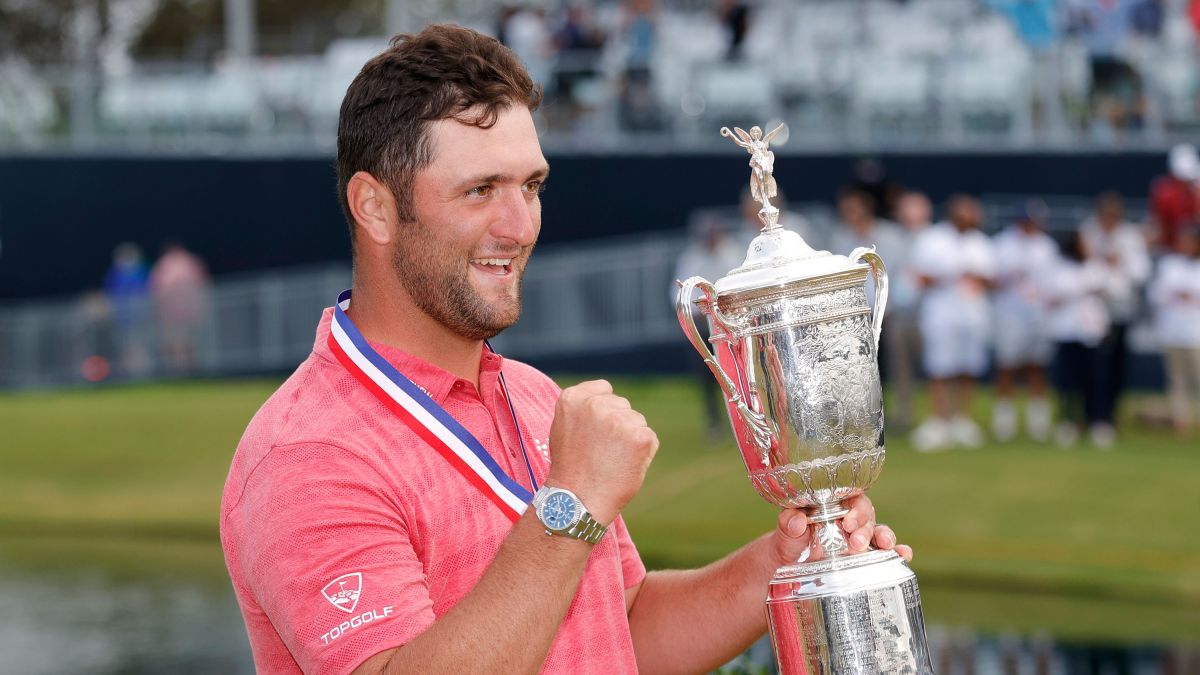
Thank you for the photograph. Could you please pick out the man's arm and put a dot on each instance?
(693, 621)
(602, 448)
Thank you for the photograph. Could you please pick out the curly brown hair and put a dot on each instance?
(443, 72)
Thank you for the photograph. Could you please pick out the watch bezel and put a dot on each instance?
(545, 499)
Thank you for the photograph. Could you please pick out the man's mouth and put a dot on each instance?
(497, 266)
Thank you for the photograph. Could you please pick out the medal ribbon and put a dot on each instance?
(423, 415)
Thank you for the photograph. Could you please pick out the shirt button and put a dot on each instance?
(458, 385)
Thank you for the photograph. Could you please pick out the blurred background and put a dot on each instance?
(169, 233)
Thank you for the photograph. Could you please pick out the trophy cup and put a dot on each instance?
(794, 345)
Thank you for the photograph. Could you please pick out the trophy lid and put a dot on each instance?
(779, 256)
(776, 256)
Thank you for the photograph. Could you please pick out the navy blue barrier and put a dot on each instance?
(60, 217)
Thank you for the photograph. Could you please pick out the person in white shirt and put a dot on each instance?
(955, 265)
(1175, 295)
(1023, 347)
(1121, 246)
(1077, 317)
(901, 334)
(712, 251)
(860, 227)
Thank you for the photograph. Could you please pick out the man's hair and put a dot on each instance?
(865, 199)
(443, 72)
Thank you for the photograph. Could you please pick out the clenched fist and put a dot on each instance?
(600, 448)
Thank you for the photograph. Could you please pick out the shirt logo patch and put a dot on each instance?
(343, 591)
(543, 446)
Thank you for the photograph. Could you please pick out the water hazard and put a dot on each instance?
(170, 610)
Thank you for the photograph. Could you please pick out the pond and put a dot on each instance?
(138, 607)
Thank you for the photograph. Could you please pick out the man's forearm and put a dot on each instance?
(508, 621)
(695, 620)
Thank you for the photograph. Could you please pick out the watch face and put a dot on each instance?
(558, 513)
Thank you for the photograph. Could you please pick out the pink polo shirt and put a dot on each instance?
(345, 534)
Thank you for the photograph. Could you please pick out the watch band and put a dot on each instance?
(587, 529)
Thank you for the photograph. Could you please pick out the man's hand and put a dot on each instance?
(792, 535)
(600, 448)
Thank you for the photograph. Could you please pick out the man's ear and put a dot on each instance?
(373, 207)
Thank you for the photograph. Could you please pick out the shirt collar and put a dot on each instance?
(434, 381)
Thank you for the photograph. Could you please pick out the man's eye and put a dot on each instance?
(480, 191)
(535, 187)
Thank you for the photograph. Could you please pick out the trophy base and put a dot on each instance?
(856, 614)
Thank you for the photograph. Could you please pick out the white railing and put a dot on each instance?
(578, 300)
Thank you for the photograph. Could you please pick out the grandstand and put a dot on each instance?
(842, 73)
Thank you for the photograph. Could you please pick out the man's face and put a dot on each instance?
(478, 215)
(965, 215)
(854, 212)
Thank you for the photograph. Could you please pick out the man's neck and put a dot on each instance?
(390, 317)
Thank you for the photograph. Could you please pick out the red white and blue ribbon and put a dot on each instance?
(423, 415)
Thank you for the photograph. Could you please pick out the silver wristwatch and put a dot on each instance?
(561, 512)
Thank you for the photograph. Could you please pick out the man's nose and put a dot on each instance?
(518, 218)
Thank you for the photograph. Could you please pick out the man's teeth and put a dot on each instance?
(493, 261)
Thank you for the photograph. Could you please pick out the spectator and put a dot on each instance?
(954, 263)
(1175, 294)
(902, 337)
(1023, 346)
(525, 32)
(1175, 197)
(639, 37)
(1121, 247)
(1038, 24)
(125, 287)
(860, 227)
(179, 286)
(870, 176)
(1074, 288)
(734, 16)
(1115, 93)
(711, 252)
(579, 43)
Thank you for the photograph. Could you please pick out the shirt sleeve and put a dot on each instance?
(328, 556)
(633, 571)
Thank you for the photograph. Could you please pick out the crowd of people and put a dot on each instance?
(1037, 311)
(570, 48)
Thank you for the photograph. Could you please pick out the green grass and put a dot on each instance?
(1081, 543)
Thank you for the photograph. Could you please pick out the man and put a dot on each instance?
(1121, 246)
(179, 286)
(914, 214)
(374, 518)
(953, 262)
(1175, 197)
(1024, 252)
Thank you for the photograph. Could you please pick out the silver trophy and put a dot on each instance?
(794, 345)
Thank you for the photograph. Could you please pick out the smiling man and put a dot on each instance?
(409, 501)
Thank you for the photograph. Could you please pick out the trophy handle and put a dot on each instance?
(872, 258)
(760, 430)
